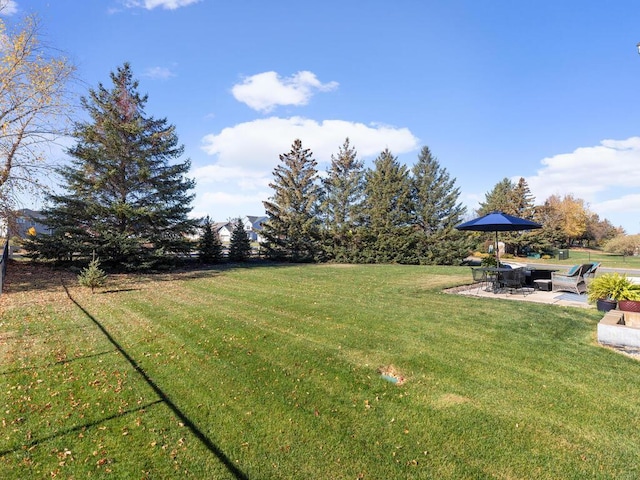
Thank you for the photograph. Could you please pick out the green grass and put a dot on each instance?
(272, 372)
(608, 260)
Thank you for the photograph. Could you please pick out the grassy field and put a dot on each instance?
(274, 372)
(607, 260)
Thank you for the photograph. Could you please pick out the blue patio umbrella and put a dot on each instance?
(498, 222)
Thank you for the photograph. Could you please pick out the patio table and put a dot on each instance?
(495, 273)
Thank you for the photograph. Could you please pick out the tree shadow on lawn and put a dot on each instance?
(206, 441)
(27, 277)
(23, 276)
(77, 428)
(39, 368)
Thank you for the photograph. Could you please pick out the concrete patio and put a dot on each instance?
(536, 296)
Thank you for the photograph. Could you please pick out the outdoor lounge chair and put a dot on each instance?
(572, 281)
(591, 272)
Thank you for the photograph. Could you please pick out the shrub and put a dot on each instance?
(623, 245)
(612, 286)
(92, 276)
(489, 261)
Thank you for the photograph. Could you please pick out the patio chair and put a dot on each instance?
(591, 272)
(480, 277)
(571, 281)
(514, 279)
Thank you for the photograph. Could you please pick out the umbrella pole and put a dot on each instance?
(497, 251)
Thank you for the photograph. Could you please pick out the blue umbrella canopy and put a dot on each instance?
(498, 222)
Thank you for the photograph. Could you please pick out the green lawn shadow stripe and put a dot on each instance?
(50, 365)
(77, 428)
(206, 441)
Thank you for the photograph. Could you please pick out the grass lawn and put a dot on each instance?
(274, 372)
(583, 255)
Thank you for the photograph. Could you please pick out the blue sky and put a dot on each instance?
(548, 90)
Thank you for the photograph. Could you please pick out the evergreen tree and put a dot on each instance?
(209, 245)
(499, 199)
(512, 199)
(523, 200)
(92, 276)
(437, 212)
(292, 227)
(239, 246)
(124, 199)
(387, 231)
(524, 207)
(342, 202)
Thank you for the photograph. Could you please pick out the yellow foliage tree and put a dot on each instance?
(33, 105)
(572, 215)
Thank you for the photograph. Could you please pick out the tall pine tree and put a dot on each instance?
(342, 203)
(209, 245)
(499, 199)
(240, 245)
(523, 200)
(127, 197)
(292, 228)
(387, 211)
(437, 212)
(524, 207)
(512, 199)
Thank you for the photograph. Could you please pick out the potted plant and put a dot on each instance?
(489, 261)
(607, 290)
(629, 301)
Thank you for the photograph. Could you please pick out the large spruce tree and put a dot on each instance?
(342, 203)
(387, 230)
(126, 196)
(239, 245)
(209, 244)
(292, 229)
(500, 199)
(437, 212)
(513, 199)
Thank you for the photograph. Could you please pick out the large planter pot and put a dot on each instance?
(605, 305)
(629, 305)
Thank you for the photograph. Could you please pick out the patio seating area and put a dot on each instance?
(573, 280)
(541, 285)
(536, 296)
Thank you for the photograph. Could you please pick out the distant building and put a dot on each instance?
(253, 226)
(28, 221)
(224, 230)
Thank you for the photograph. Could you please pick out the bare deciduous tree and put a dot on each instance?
(34, 106)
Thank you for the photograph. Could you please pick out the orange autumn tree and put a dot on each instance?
(33, 106)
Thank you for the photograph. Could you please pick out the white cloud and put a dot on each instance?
(264, 91)
(160, 73)
(245, 179)
(8, 7)
(260, 142)
(602, 175)
(236, 181)
(626, 204)
(165, 4)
